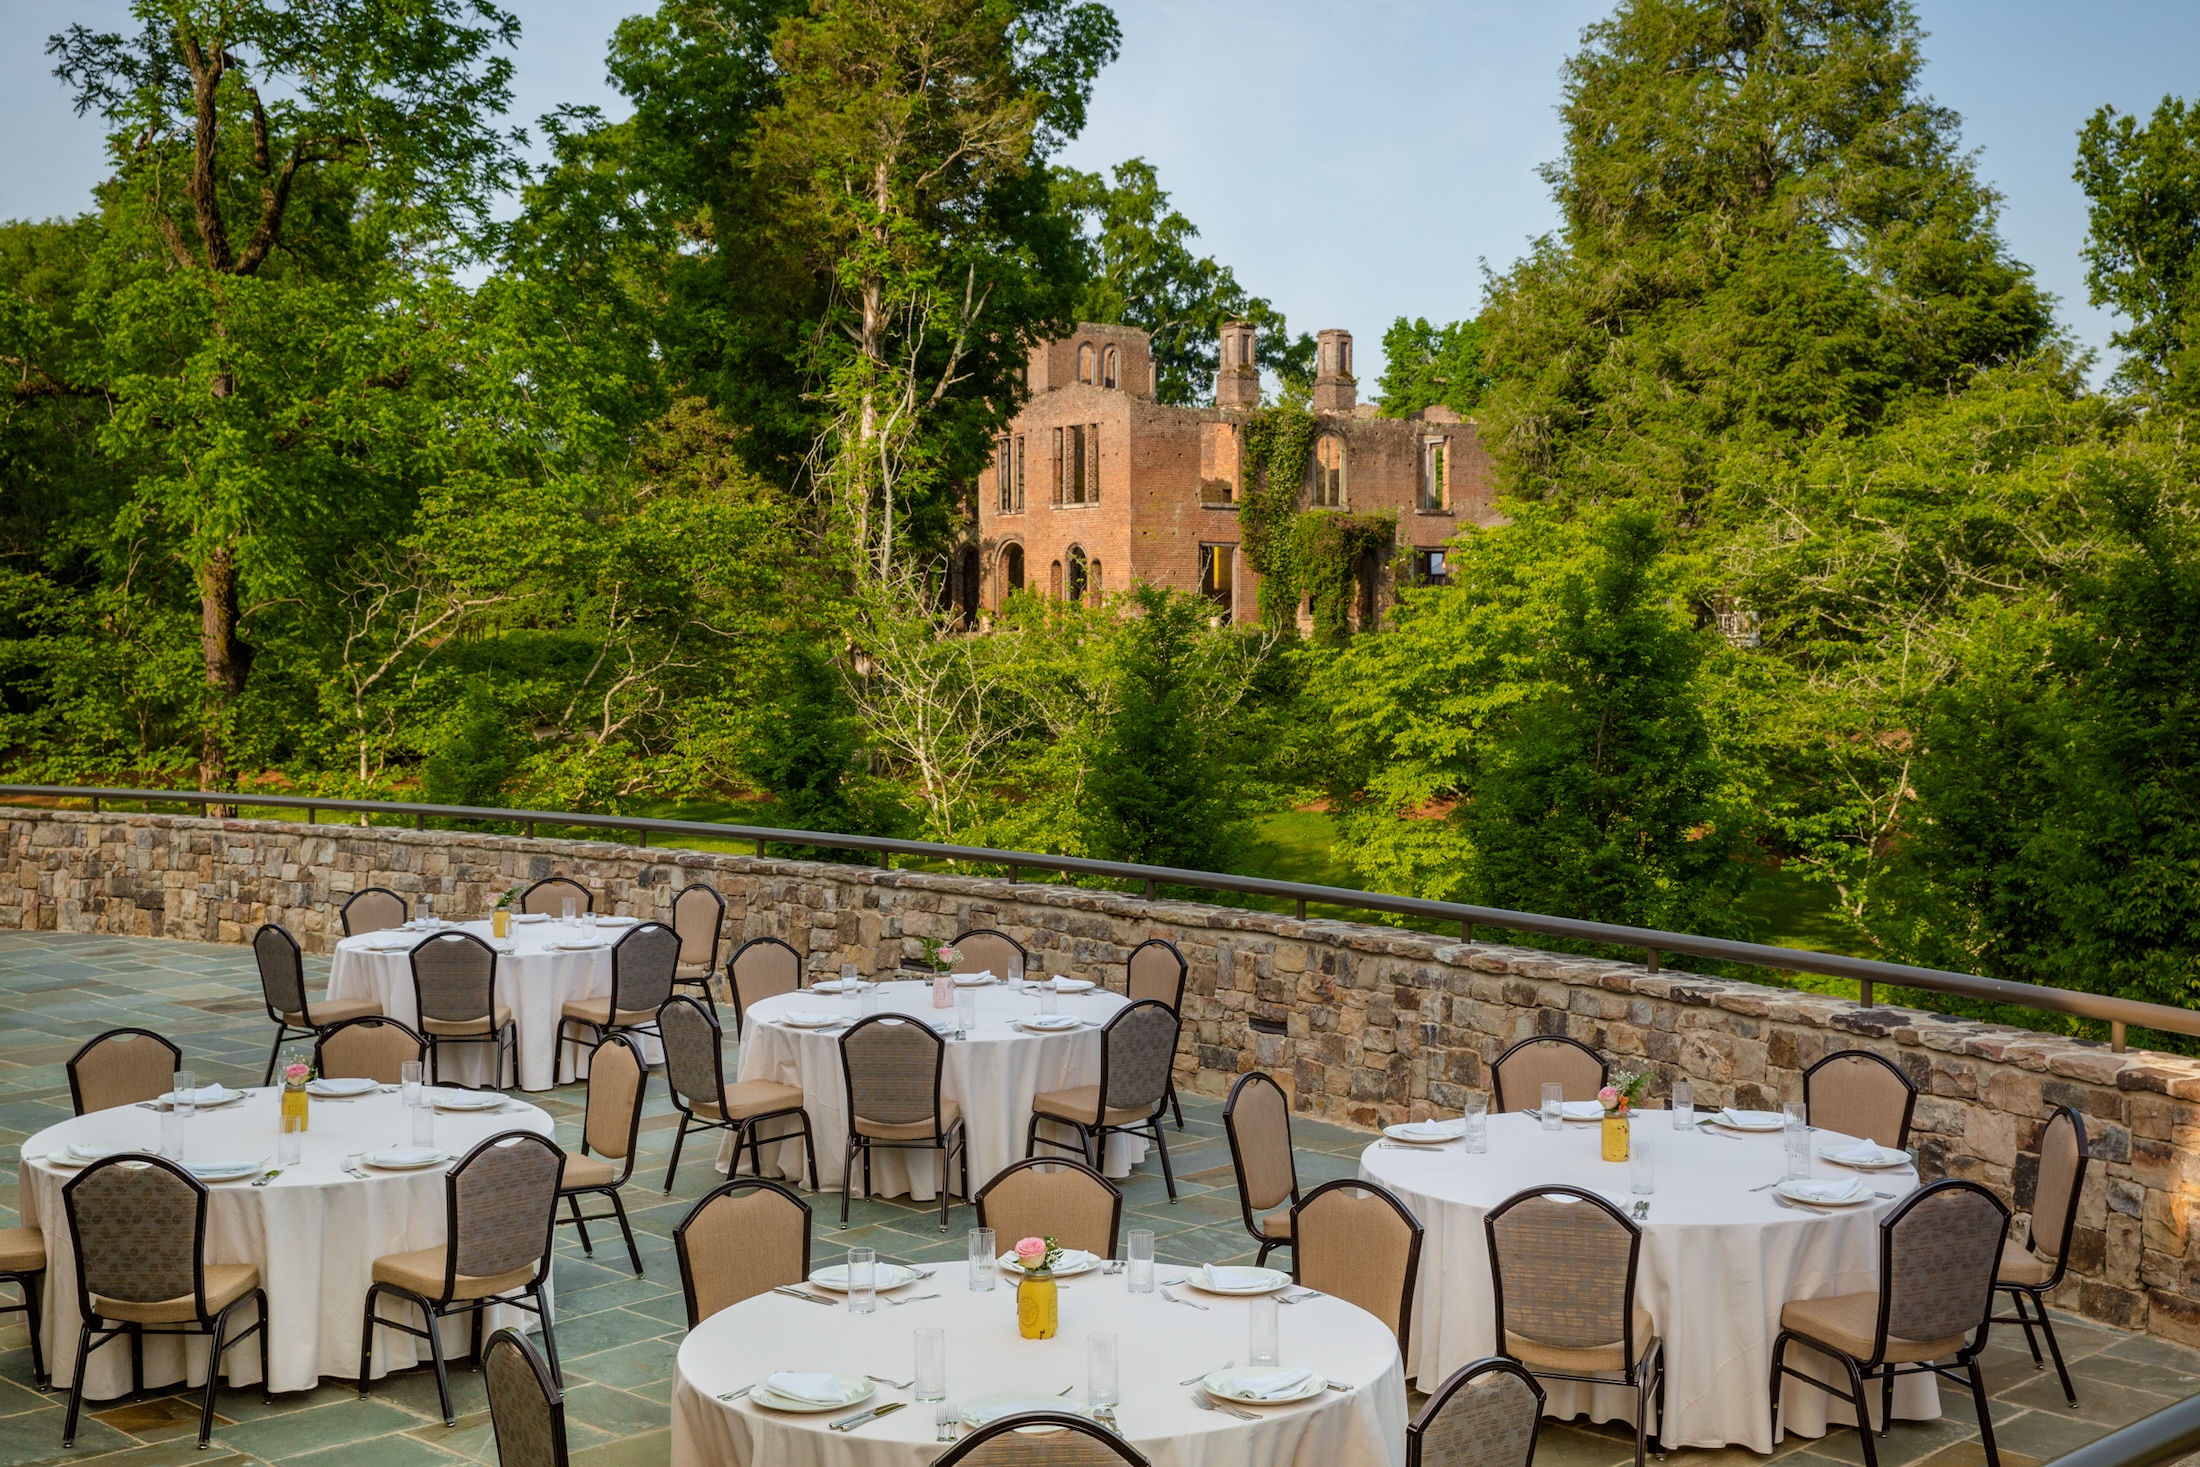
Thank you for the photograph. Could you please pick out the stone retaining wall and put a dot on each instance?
(1378, 1024)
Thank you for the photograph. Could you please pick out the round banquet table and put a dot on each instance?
(1718, 1261)
(313, 1233)
(993, 1075)
(1158, 1345)
(535, 980)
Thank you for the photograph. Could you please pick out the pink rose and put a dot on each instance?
(295, 1073)
(1030, 1250)
(1608, 1095)
(950, 954)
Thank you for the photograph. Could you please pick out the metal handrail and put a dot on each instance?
(2170, 1433)
(2118, 1013)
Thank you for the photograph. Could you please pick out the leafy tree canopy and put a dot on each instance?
(2142, 251)
(1425, 365)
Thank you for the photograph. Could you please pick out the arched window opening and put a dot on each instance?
(1092, 580)
(1077, 573)
(1110, 367)
(1012, 570)
(1084, 362)
(1054, 580)
(966, 585)
(1327, 489)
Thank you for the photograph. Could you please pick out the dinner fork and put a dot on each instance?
(899, 1385)
(1299, 1298)
(912, 1299)
(1185, 1302)
(1804, 1206)
(1199, 1399)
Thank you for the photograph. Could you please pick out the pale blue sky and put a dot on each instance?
(1354, 162)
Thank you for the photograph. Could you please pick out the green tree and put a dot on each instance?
(806, 744)
(2142, 249)
(1425, 365)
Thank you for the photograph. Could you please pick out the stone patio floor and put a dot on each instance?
(618, 1334)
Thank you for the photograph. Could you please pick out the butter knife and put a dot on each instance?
(850, 1423)
(798, 1294)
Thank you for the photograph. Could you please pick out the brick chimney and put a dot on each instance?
(1334, 385)
(1237, 378)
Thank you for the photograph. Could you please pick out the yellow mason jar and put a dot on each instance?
(500, 922)
(1038, 1306)
(1615, 1138)
(294, 1105)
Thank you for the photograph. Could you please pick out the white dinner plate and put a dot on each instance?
(1270, 1280)
(226, 1096)
(575, 944)
(1074, 1261)
(465, 1099)
(993, 1408)
(810, 1019)
(225, 1171)
(531, 917)
(1223, 1386)
(1073, 985)
(858, 1389)
(406, 1158)
(1426, 1133)
(341, 1087)
(1822, 1194)
(78, 1154)
(389, 942)
(834, 1276)
(1837, 1153)
(617, 921)
(1050, 1023)
(1750, 1120)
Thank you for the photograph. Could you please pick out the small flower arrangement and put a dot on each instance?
(1036, 1254)
(510, 897)
(297, 1073)
(941, 955)
(1624, 1093)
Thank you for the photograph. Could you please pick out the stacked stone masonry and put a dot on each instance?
(1377, 1024)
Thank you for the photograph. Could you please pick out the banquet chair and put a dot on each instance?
(742, 1238)
(23, 1264)
(500, 1204)
(1042, 1439)
(761, 968)
(526, 1408)
(138, 1227)
(2035, 1270)
(374, 1048)
(1860, 1094)
(1938, 1251)
(643, 964)
(1156, 970)
(1137, 1050)
(1562, 1277)
(122, 1067)
(618, 1080)
(982, 949)
(695, 1074)
(1257, 1120)
(1546, 1059)
(546, 897)
(1485, 1414)
(1355, 1241)
(892, 1067)
(698, 913)
(283, 988)
(454, 992)
(1052, 1197)
(373, 909)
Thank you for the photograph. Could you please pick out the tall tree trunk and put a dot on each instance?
(225, 664)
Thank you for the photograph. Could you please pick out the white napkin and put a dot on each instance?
(1269, 1385)
(82, 1152)
(1433, 1130)
(1751, 1119)
(1238, 1278)
(219, 1168)
(1866, 1152)
(1582, 1110)
(404, 1155)
(807, 1385)
(1052, 1021)
(204, 1095)
(1070, 985)
(983, 975)
(1842, 1189)
(810, 1016)
(340, 1086)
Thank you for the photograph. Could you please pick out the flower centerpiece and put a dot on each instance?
(295, 1077)
(942, 956)
(500, 919)
(1619, 1100)
(1038, 1304)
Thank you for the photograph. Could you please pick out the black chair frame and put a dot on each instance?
(733, 989)
(947, 1142)
(76, 1092)
(2037, 1293)
(551, 1393)
(600, 1032)
(610, 1190)
(503, 1042)
(1092, 1138)
(1909, 1107)
(728, 1189)
(343, 913)
(744, 1130)
(1458, 1381)
(1497, 1084)
(1041, 1421)
(1268, 1245)
(1176, 1004)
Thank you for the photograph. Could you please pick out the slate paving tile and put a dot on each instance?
(628, 1367)
(284, 1438)
(385, 1451)
(35, 1436)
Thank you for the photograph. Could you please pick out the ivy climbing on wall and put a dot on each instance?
(1297, 552)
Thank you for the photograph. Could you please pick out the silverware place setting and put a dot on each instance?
(793, 1293)
(899, 1385)
(1205, 1403)
(861, 1418)
(1185, 1302)
(912, 1299)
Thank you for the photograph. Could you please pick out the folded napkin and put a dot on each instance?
(204, 1095)
(1268, 1385)
(1052, 1021)
(1752, 1119)
(1433, 1130)
(809, 1016)
(1843, 1189)
(1070, 985)
(82, 1152)
(983, 975)
(1582, 1110)
(341, 1086)
(404, 1155)
(807, 1385)
(1238, 1278)
(220, 1168)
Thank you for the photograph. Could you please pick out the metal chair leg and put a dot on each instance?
(678, 1141)
(1985, 1413)
(366, 1342)
(76, 1385)
(634, 1254)
(580, 1224)
(2054, 1348)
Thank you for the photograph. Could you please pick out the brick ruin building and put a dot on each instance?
(1096, 486)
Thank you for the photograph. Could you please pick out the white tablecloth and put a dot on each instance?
(534, 980)
(1158, 1345)
(992, 1075)
(1718, 1261)
(313, 1232)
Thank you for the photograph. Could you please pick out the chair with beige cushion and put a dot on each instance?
(373, 909)
(1485, 1414)
(618, 1081)
(499, 1206)
(695, 1073)
(698, 915)
(2033, 1271)
(138, 1226)
(741, 1239)
(1938, 1252)
(761, 968)
(1042, 1439)
(983, 950)
(546, 898)
(1137, 1052)
(526, 1408)
(1861, 1094)
(892, 1067)
(283, 987)
(23, 1264)
(375, 1048)
(1052, 1197)
(1522, 1071)
(643, 964)
(122, 1067)
(1562, 1275)
(1357, 1242)
(454, 991)
(1157, 970)
(1257, 1120)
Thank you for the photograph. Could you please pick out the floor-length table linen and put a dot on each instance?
(992, 1075)
(1159, 1344)
(1718, 1262)
(535, 980)
(313, 1233)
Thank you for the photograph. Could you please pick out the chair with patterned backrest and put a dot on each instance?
(1257, 1120)
(1546, 1059)
(138, 1227)
(1156, 970)
(643, 965)
(892, 1066)
(500, 1204)
(526, 1408)
(1052, 1197)
(283, 987)
(1137, 1052)
(2030, 1271)
(698, 915)
(743, 1238)
(373, 909)
(23, 1264)
(761, 968)
(454, 992)
(618, 1082)
(1858, 1093)
(1042, 1439)
(983, 950)
(1485, 1414)
(1562, 1277)
(122, 1067)
(1355, 1241)
(374, 1048)
(695, 1072)
(1938, 1252)
(546, 898)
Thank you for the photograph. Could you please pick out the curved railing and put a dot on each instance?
(2118, 1013)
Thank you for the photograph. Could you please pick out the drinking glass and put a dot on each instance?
(983, 1273)
(966, 1012)
(171, 1134)
(1554, 1107)
(182, 1105)
(1046, 998)
(1797, 1136)
(862, 1280)
(423, 1125)
(1141, 1258)
(1015, 968)
(1261, 1347)
(1684, 1105)
(931, 1365)
(1475, 1123)
(849, 978)
(1796, 1114)
(1642, 1167)
(866, 1002)
(290, 1145)
(588, 922)
(569, 908)
(408, 1075)
(1102, 1380)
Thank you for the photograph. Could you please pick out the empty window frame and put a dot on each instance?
(1003, 479)
(1327, 489)
(1216, 579)
(1055, 494)
(1110, 368)
(1431, 568)
(1054, 580)
(1084, 361)
(1077, 573)
(1012, 569)
(1435, 479)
